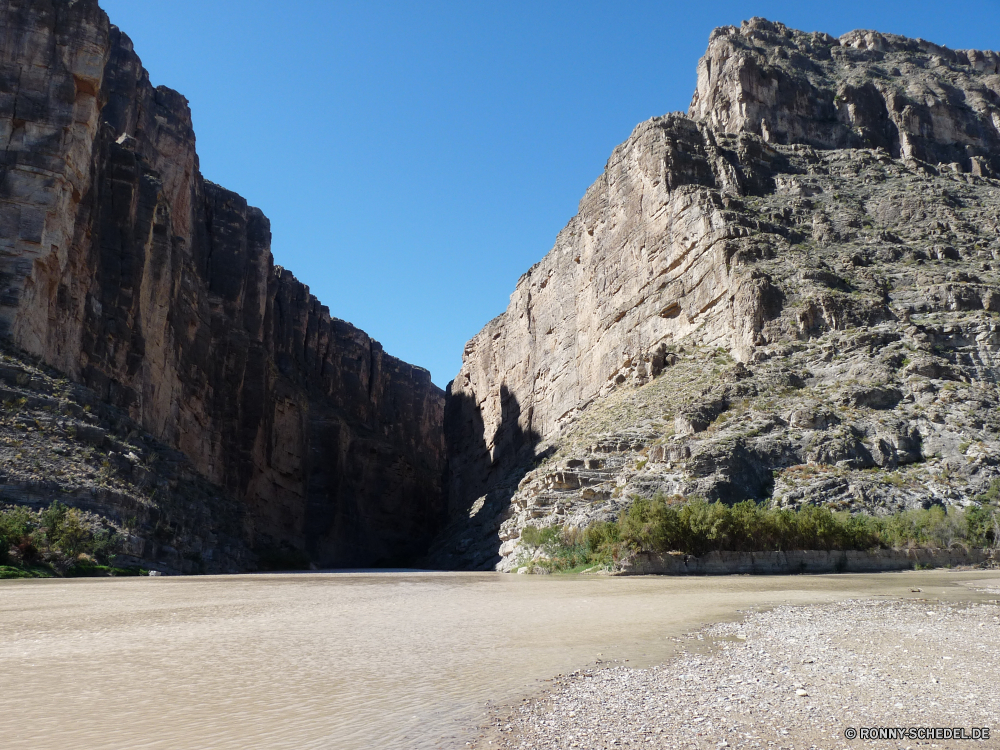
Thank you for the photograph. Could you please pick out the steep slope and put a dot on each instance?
(791, 292)
(125, 269)
(60, 444)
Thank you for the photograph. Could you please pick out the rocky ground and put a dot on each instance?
(789, 678)
(59, 442)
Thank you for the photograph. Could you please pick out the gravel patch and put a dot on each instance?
(791, 677)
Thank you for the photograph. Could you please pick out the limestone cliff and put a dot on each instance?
(910, 97)
(125, 269)
(790, 292)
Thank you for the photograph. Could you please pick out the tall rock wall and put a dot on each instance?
(128, 271)
(644, 263)
(745, 290)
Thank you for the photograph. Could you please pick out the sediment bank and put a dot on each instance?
(803, 561)
(791, 677)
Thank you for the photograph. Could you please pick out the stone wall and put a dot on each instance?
(128, 271)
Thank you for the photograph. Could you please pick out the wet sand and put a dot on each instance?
(338, 660)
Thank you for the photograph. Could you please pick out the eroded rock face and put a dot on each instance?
(646, 261)
(60, 443)
(787, 295)
(128, 271)
(910, 97)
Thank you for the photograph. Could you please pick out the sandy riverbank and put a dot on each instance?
(791, 677)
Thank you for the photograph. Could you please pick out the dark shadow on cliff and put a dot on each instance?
(482, 478)
(370, 502)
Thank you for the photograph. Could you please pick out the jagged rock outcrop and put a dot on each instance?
(122, 267)
(912, 98)
(788, 293)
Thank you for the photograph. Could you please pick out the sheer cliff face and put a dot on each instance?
(820, 218)
(645, 262)
(132, 274)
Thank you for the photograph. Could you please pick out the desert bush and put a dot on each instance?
(58, 534)
(535, 536)
(571, 548)
(15, 527)
(74, 535)
(697, 526)
(992, 494)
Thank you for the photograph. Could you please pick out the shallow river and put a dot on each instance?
(343, 660)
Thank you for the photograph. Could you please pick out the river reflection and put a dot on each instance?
(343, 660)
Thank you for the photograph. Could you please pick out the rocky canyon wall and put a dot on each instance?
(645, 262)
(816, 186)
(122, 267)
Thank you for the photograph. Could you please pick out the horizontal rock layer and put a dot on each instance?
(125, 269)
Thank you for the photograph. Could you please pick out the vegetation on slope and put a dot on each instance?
(695, 527)
(59, 442)
(56, 541)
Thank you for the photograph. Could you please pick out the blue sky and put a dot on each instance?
(416, 158)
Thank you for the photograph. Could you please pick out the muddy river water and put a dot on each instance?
(344, 660)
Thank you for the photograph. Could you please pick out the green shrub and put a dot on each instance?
(534, 536)
(52, 519)
(696, 527)
(572, 548)
(74, 536)
(105, 544)
(15, 529)
(992, 494)
(57, 533)
(983, 526)
(15, 526)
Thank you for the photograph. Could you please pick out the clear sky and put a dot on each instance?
(415, 158)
